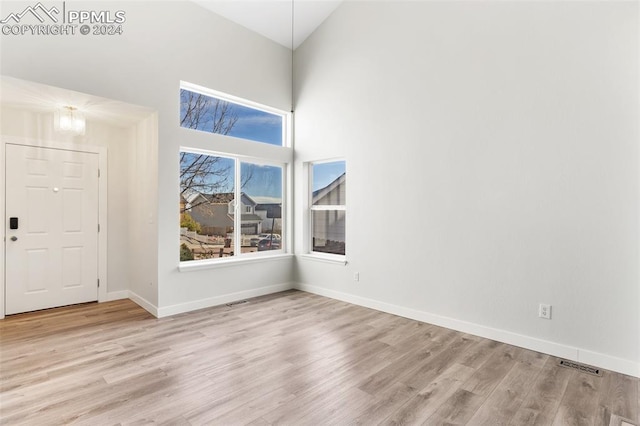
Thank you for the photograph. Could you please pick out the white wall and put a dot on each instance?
(163, 43)
(492, 163)
(143, 205)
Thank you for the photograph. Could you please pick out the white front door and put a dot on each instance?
(51, 254)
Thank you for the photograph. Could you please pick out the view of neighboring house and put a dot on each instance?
(215, 213)
(271, 214)
(329, 227)
(333, 194)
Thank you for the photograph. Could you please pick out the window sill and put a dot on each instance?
(197, 265)
(336, 260)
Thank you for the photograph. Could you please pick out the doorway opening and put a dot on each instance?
(124, 137)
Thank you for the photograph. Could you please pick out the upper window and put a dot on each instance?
(328, 207)
(214, 112)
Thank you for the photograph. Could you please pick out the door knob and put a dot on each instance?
(14, 238)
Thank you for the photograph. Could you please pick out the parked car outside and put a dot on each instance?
(255, 240)
(267, 235)
(269, 244)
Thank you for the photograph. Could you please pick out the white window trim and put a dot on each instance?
(336, 259)
(198, 265)
(329, 207)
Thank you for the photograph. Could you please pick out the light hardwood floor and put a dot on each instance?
(290, 358)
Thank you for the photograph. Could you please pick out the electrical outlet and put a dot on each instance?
(356, 276)
(544, 311)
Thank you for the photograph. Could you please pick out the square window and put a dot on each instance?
(213, 189)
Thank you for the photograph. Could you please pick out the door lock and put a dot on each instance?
(14, 238)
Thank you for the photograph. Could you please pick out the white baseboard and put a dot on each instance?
(116, 295)
(144, 303)
(220, 300)
(607, 362)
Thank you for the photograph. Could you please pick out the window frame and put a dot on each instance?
(286, 116)
(237, 212)
(310, 208)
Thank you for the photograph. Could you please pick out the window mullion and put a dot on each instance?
(237, 215)
(309, 242)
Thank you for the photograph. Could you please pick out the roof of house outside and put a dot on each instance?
(227, 197)
(319, 193)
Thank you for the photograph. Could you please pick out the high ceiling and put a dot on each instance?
(272, 18)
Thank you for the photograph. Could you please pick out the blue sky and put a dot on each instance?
(265, 182)
(252, 124)
(257, 126)
(325, 173)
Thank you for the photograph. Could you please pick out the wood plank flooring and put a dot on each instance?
(291, 358)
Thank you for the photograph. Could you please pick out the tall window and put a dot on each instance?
(328, 207)
(230, 206)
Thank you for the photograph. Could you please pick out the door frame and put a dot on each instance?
(102, 205)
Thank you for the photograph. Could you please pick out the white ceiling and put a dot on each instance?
(21, 94)
(272, 18)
